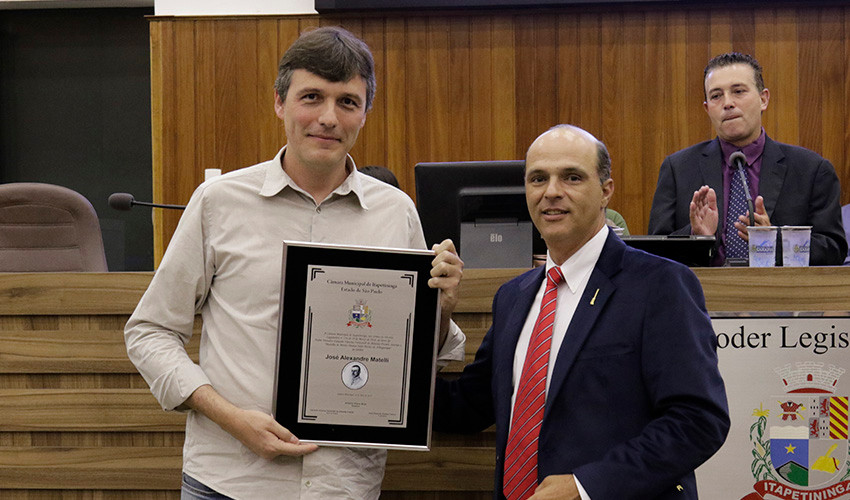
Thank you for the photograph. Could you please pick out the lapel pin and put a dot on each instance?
(593, 300)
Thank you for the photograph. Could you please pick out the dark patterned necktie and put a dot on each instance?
(521, 453)
(736, 247)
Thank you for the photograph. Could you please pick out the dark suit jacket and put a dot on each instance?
(800, 188)
(636, 401)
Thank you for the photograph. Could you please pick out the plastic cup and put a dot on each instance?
(762, 246)
(796, 245)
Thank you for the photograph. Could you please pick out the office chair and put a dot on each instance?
(48, 228)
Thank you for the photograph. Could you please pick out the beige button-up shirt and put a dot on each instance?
(224, 262)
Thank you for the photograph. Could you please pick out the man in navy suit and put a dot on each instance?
(633, 399)
(791, 186)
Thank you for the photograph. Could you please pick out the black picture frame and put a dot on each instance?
(298, 257)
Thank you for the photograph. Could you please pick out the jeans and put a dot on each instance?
(195, 490)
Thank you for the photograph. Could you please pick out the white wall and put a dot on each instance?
(71, 4)
(231, 7)
(177, 7)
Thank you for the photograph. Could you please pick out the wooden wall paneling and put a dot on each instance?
(482, 72)
(439, 81)
(656, 106)
(743, 31)
(590, 83)
(483, 86)
(785, 70)
(179, 172)
(527, 62)
(376, 144)
(226, 83)
(71, 350)
(766, 40)
(98, 409)
(33, 468)
(162, 104)
(546, 81)
(394, 94)
(676, 116)
(430, 495)
(617, 78)
(184, 171)
(460, 89)
(471, 469)
(568, 70)
(34, 300)
(810, 114)
(62, 351)
(418, 94)
(633, 83)
(698, 53)
(165, 186)
(844, 168)
(206, 111)
(268, 57)
(831, 76)
(310, 22)
(505, 144)
(353, 24)
(721, 31)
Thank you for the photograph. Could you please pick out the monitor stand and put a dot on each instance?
(495, 244)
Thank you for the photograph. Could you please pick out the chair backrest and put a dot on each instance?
(48, 228)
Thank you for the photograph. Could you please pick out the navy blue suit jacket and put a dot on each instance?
(636, 401)
(799, 187)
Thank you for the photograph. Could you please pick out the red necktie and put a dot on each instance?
(520, 478)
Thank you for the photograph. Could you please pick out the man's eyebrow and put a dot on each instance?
(309, 90)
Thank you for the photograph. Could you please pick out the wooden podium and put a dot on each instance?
(78, 421)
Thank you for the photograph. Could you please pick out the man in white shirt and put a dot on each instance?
(224, 262)
(602, 379)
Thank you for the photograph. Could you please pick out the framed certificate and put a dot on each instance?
(357, 346)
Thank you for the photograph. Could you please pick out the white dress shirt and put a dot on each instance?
(224, 261)
(576, 270)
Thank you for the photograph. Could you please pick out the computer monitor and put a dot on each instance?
(484, 200)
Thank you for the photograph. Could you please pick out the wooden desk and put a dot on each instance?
(77, 421)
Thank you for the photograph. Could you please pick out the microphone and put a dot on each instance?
(739, 161)
(125, 201)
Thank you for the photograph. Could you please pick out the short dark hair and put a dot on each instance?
(603, 158)
(381, 173)
(731, 58)
(331, 52)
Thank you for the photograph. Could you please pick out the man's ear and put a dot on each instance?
(607, 191)
(278, 105)
(765, 98)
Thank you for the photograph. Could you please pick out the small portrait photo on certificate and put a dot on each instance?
(355, 375)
